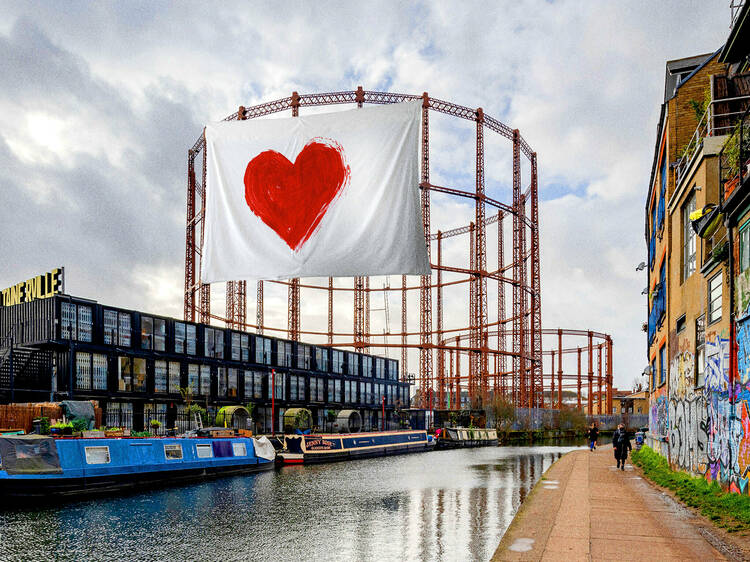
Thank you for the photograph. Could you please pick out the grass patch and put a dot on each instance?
(725, 509)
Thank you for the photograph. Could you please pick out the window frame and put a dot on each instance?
(99, 448)
(710, 300)
(172, 447)
(689, 240)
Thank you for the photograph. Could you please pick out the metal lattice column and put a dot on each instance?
(425, 295)
(536, 295)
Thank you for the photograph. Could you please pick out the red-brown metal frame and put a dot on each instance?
(524, 382)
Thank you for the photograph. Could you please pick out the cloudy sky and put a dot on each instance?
(99, 103)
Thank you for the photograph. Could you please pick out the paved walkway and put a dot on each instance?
(587, 509)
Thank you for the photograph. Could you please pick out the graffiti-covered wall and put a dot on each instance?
(688, 432)
(658, 421)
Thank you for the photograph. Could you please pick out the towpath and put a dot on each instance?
(585, 508)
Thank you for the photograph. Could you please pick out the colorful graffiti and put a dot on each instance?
(688, 417)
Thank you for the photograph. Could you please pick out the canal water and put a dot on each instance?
(441, 505)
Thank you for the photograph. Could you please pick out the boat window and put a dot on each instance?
(173, 452)
(97, 455)
(239, 449)
(204, 451)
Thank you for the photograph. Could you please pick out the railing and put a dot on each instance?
(714, 122)
(734, 157)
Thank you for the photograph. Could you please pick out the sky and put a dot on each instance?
(100, 102)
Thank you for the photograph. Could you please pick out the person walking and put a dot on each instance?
(593, 436)
(621, 445)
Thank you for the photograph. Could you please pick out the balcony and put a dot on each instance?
(734, 158)
(730, 98)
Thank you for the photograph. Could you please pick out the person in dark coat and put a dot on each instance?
(593, 436)
(621, 445)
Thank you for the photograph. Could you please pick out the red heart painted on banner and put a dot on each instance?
(292, 199)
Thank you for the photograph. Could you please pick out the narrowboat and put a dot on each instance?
(456, 437)
(34, 466)
(308, 449)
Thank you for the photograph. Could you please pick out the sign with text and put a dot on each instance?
(40, 287)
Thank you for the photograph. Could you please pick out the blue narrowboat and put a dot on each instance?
(307, 449)
(41, 467)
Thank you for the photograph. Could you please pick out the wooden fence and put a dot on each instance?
(21, 416)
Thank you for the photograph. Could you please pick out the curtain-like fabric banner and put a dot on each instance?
(333, 194)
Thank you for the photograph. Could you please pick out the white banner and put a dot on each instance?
(333, 194)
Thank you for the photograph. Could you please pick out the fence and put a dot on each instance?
(541, 418)
(21, 416)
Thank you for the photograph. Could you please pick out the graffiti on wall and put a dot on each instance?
(688, 417)
(658, 420)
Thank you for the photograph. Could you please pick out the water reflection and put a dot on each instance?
(443, 505)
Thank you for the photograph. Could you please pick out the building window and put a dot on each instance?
(99, 371)
(193, 379)
(262, 350)
(700, 350)
(240, 347)
(119, 414)
(304, 356)
(131, 374)
(116, 328)
(174, 377)
(280, 386)
(161, 375)
(284, 353)
(124, 330)
(205, 387)
(221, 375)
(688, 240)
(392, 370)
(745, 247)
(337, 358)
(662, 361)
(83, 371)
(681, 323)
(366, 366)
(321, 359)
(153, 333)
(353, 360)
(76, 321)
(653, 374)
(214, 340)
(147, 332)
(317, 389)
(714, 298)
(185, 338)
(379, 368)
(232, 383)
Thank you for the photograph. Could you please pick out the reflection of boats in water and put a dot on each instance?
(43, 467)
(456, 437)
(306, 449)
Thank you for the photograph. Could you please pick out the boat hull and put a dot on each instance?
(68, 468)
(315, 449)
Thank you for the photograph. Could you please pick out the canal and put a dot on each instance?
(441, 505)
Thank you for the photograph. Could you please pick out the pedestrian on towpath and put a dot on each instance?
(621, 445)
(593, 436)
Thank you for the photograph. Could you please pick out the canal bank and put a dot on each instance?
(584, 508)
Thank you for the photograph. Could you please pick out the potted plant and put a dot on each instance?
(155, 425)
(113, 432)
